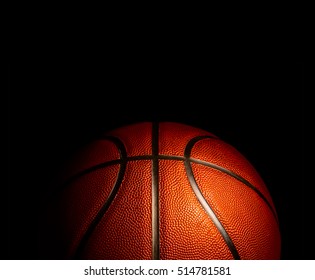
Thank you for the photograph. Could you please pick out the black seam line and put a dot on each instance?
(108, 202)
(155, 193)
(239, 178)
(209, 211)
(203, 201)
(227, 171)
(167, 157)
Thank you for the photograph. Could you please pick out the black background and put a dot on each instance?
(65, 90)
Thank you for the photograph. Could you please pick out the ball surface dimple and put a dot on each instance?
(160, 191)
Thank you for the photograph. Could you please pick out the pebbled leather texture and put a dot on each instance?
(160, 191)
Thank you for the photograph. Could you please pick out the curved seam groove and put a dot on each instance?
(204, 202)
(230, 173)
(108, 202)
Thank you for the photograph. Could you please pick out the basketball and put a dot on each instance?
(160, 190)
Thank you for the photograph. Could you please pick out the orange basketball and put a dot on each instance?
(160, 191)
